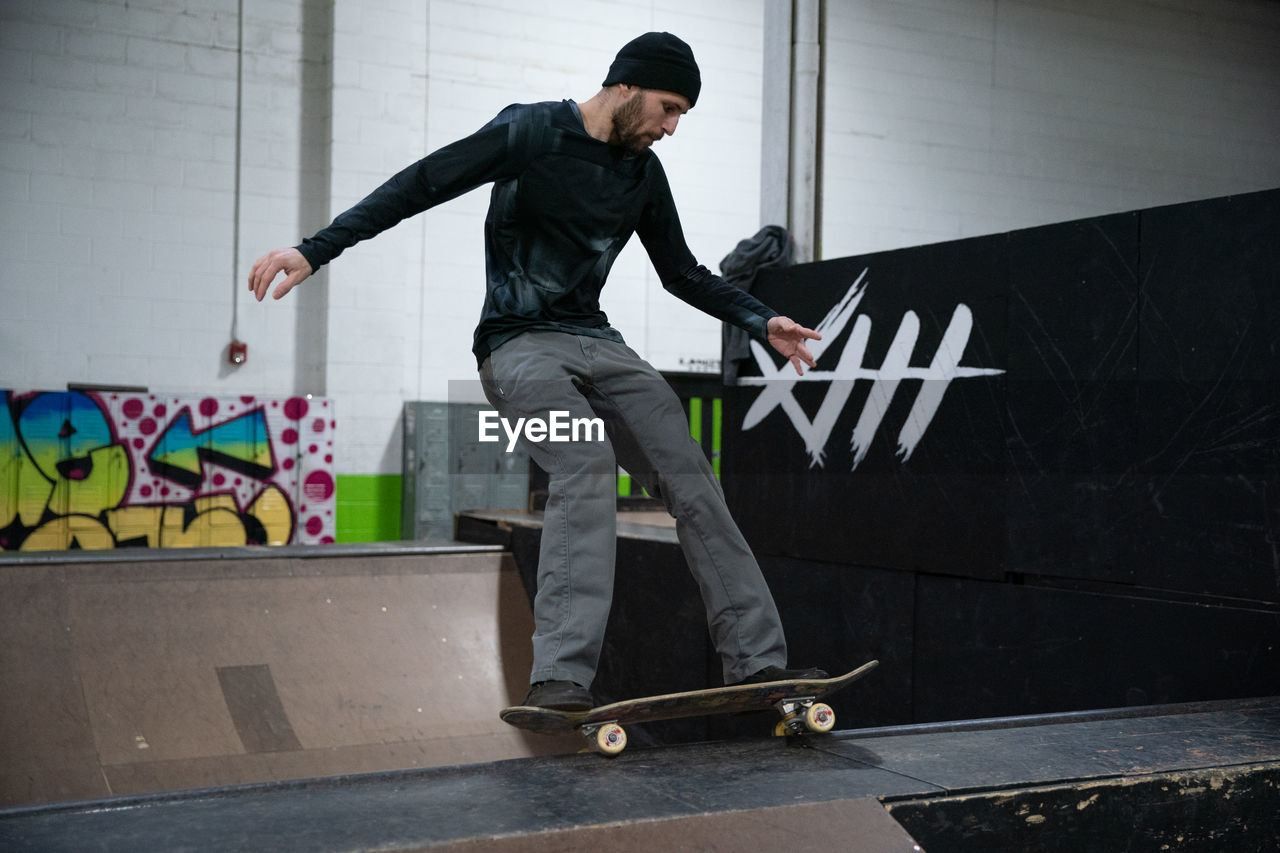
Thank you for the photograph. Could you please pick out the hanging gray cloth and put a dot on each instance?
(771, 247)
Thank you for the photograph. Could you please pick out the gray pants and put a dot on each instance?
(538, 373)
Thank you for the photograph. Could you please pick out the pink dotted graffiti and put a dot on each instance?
(300, 430)
(295, 408)
(318, 486)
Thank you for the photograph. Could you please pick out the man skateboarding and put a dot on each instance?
(571, 184)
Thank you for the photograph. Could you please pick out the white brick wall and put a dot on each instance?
(952, 118)
(379, 96)
(118, 155)
(563, 50)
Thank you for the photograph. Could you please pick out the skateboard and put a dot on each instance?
(796, 702)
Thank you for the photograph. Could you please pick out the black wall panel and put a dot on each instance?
(1130, 433)
(993, 649)
(1097, 523)
(1071, 395)
(839, 617)
(1210, 397)
(946, 506)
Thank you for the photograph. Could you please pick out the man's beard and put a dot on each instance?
(626, 125)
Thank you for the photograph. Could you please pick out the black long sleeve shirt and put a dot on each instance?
(563, 205)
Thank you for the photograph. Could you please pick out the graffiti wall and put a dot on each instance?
(99, 470)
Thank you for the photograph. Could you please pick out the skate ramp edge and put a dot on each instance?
(137, 677)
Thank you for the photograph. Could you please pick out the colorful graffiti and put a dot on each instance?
(119, 469)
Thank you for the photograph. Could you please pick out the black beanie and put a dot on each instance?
(657, 61)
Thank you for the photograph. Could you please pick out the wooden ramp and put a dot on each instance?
(133, 675)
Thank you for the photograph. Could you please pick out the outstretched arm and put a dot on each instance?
(266, 268)
(788, 337)
(443, 175)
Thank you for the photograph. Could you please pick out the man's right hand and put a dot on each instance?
(266, 268)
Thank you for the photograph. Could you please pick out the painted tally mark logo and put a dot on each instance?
(778, 382)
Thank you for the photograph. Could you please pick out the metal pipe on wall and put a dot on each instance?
(790, 163)
(806, 64)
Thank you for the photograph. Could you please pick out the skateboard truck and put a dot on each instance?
(803, 715)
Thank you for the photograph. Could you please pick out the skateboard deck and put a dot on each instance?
(796, 701)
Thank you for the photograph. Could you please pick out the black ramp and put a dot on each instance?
(1021, 753)
(411, 810)
(1194, 781)
(863, 824)
(948, 782)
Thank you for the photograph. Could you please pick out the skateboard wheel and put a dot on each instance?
(820, 718)
(791, 724)
(611, 739)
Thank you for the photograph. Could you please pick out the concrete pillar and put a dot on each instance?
(792, 123)
(806, 63)
(775, 140)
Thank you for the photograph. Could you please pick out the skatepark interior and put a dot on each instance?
(304, 698)
(1036, 474)
(1080, 688)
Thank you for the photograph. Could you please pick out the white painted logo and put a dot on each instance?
(557, 427)
(778, 382)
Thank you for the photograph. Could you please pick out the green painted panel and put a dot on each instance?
(368, 507)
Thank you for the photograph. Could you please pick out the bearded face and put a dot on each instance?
(645, 117)
(628, 124)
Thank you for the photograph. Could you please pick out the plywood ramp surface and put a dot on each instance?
(126, 678)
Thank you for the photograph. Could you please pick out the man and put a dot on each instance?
(572, 183)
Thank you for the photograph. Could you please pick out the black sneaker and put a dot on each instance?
(560, 696)
(777, 673)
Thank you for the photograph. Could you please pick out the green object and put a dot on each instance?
(368, 507)
(695, 405)
(717, 422)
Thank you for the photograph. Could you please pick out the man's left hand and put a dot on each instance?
(788, 337)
